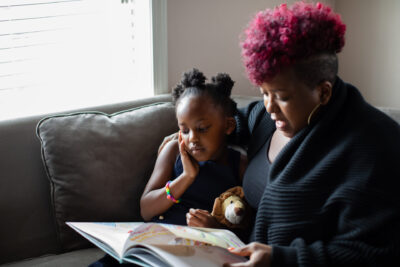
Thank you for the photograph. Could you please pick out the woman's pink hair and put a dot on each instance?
(277, 38)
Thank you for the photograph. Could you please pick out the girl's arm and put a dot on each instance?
(154, 199)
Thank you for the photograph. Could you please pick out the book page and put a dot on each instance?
(150, 233)
(185, 256)
(145, 257)
(113, 235)
(231, 239)
(217, 237)
(180, 245)
(157, 233)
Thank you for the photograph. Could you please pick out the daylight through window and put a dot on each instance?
(68, 54)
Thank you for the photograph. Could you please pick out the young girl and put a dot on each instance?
(195, 169)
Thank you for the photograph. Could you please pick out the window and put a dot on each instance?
(58, 55)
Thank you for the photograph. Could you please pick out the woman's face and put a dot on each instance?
(289, 102)
(203, 126)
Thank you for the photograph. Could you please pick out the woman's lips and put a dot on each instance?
(280, 124)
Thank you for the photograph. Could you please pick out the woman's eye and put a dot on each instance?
(283, 98)
(185, 131)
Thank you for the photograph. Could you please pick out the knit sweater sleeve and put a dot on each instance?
(332, 194)
(361, 223)
(366, 236)
(246, 119)
(350, 213)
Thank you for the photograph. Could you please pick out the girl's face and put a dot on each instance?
(203, 126)
(289, 102)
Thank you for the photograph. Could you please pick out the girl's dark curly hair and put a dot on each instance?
(219, 90)
(281, 37)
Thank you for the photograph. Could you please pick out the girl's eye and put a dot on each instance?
(203, 129)
(185, 131)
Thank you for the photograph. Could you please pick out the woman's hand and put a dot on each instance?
(201, 218)
(260, 255)
(190, 165)
(167, 139)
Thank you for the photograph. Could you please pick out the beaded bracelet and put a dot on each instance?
(169, 196)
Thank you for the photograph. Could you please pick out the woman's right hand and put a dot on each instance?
(166, 140)
(259, 255)
(190, 165)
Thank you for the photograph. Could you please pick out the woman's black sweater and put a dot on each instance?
(333, 196)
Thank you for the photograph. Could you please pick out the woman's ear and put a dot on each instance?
(230, 125)
(325, 92)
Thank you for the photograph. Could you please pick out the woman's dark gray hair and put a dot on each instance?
(316, 69)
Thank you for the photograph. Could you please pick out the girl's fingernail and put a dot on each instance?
(231, 248)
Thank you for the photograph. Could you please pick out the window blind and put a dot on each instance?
(67, 54)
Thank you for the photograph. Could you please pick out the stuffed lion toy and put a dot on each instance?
(231, 209)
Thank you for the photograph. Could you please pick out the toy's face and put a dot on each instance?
(234, 209)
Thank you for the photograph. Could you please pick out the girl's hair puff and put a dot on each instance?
(219, 90)
(280, 37)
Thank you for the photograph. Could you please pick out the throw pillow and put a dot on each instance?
(98, 164)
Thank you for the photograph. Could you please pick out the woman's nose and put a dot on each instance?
(269, 104)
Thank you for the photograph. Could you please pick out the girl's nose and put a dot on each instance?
(193, 137)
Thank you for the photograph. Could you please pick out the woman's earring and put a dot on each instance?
(312, 113)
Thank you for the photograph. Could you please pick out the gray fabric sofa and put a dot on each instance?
(29, 234)
(30, 225)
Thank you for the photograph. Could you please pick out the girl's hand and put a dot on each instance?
(201, 218)
(190, 165)
(260, 255)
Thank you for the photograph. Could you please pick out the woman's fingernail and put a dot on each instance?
(231, 248)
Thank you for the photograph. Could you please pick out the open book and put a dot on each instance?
(154, 244)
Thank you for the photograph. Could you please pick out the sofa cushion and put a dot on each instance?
(98, 164)
(82, 257)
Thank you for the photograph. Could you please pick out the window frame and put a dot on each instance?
(160, 46)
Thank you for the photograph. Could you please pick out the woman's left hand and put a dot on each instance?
(201, 218)
(260, 255)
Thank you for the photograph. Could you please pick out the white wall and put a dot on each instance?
(205, 34)
(371, 56)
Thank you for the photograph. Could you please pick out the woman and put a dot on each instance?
(322, 171)
(326, 159)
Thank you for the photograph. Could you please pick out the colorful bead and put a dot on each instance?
(169, 196)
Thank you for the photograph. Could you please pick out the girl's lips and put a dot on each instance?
(196, 150)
